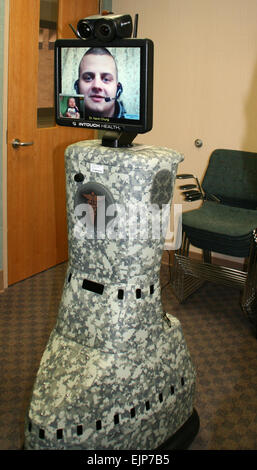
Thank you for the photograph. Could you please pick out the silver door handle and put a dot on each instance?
(16, 143)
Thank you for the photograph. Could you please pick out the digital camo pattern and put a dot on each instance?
(162, 182)
(128, 175)
(116, 372)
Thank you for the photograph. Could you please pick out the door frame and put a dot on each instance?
(4, 273)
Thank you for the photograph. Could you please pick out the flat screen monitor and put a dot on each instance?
(104, 86)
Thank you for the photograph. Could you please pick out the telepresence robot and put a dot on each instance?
(116, 372)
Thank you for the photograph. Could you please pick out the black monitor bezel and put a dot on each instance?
(146, 86)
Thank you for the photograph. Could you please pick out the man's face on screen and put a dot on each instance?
(98, 84)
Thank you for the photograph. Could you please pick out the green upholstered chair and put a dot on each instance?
(225, 223)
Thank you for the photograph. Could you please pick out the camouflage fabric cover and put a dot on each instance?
(116, 372)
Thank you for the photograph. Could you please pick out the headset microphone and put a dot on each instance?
(118, 93)
(107, 99)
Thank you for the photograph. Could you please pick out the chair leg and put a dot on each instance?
(249, 296)
(207, 256)
(183, 284)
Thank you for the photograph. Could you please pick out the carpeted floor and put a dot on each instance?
(223, 348)
(219, 337)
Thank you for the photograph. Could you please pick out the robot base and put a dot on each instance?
(183, 438)
(116, 372)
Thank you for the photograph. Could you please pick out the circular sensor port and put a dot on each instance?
(104, 30)
(84, 29)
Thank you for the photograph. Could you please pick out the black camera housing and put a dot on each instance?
(105, 28)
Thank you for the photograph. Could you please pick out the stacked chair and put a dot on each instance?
(226, 223)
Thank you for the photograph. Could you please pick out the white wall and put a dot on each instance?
(205, 83)
(205, 80)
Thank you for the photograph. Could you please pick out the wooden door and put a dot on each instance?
(36, 213)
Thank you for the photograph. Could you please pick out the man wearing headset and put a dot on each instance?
(98, 82)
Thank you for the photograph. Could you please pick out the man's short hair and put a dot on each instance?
(99, 51)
